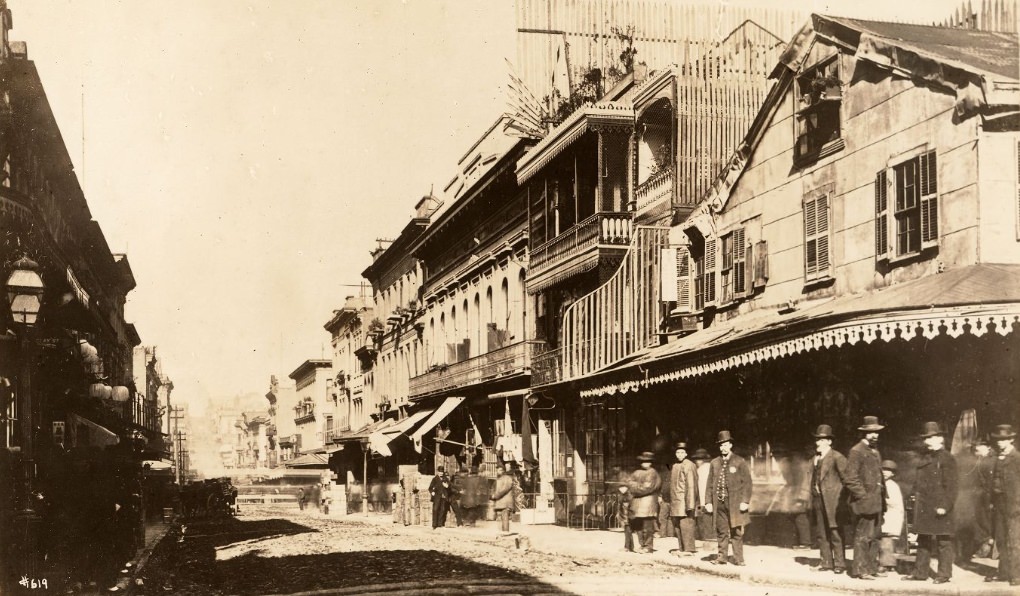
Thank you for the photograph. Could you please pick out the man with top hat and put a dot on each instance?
(864, 483)
(1006, 505)
(439, 490)
(704, 522)
(729, 499)
(643, 488)
(827, 496)
(934, 498)
(683, 499)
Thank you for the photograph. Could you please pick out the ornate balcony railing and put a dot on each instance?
(657, 187)
(508, 361)
(619, 318)
(601, 229)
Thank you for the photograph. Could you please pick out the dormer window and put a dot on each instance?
(819, 98)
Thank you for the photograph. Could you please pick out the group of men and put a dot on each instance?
(860, 483)
(466, 495)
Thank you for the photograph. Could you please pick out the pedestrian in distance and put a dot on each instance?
(439, 490)
(828, 475)
(643, 487)
(935, 488)
(623, 512)
(503, 498)
(893, 519)
(864, 483)
(704, 521)
(981, 485)
(1006, 505)
(729, 499)
(683, 500)
(301, 498)
(456, 492)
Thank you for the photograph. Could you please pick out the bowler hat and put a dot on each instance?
(930, 429)
(888, 464)
(870, 423)
(1004, 431)
(701, 454)
(824, 431)
(724, 435)
(681, 445)
(646, 456)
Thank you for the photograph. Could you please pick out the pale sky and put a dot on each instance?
(246, 154)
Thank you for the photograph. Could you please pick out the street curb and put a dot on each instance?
(414, 587)
(143, 559)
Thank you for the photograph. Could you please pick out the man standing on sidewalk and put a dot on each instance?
(827, 479)
(729, 498)
(1006, 505)
(503, 498)
(864, 481)
(439, 489)
(683, 499)
(644, 486)
(935, 497)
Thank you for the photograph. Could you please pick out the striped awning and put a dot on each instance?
(380, 439)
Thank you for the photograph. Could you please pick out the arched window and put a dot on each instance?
(522, 292)
(478, 334)
(489, 318)
(440, 352)
(503, 316)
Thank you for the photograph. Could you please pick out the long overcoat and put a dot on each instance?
(738, 487)
(1007, 477)
(831, 477)
(683, 488)
(864, 480)
(502, 493)
(644, 486)
(935, 488)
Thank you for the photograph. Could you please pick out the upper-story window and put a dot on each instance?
(817, 264)
(703, 255)
(906, 207)
(733, 275)
(819, 98)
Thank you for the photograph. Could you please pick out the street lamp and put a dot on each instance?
(24, 294)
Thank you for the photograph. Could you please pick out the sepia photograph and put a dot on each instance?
(489, 297)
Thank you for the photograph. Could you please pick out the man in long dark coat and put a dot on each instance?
(683, 499)
(935, 496)
(827, 495)
(1006, 505)
(729, 499)
(643, 487)
(864, 483)
(439, 489)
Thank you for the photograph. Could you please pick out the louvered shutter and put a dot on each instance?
(668, 282)
(929, 199)
(882, 215)
(683, 279)
(761, 264)
(739, 263)
(822, 219)
(710, 271)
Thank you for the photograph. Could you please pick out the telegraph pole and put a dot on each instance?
(176, 414)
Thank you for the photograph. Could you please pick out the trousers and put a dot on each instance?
(866, 550)
(684, 528)
(727, 534)
(942, 544)
(830, 540)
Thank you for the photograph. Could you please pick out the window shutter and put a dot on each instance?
(683, 279)
(739, 263)
(710, 271)
(822, 218)
(929, 199)
(816, 237)
(761, 264)
(881, 215)
(668, 282)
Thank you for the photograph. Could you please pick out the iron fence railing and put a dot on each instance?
(604, 228)
(658, 186)
(513, 359)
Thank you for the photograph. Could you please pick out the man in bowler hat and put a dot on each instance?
(864, 483)
(827, 496)
(683, 499)
(643, 487)
(1006, 505)
(729, 499)
(934, 498)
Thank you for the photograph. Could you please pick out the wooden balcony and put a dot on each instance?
(657, 189)
(579, 249)
(510, 361)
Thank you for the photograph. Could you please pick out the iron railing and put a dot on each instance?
(604, 228)
(658, 185)
(503, 362)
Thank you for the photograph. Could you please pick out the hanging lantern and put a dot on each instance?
(107, 391)
(120, 393)
(96, 390)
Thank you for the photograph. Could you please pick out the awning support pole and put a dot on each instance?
(364, 481)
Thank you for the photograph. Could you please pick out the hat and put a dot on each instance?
(724, 435)
(681, 445)
(888, 464)
(930, 429)
(870, 423)
(646, 456)
(1003, 431)
(701, 454)
(824, 431)
(440, 469)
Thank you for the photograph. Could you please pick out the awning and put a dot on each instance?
(972, 300)
(380, 439)
(364, 432)
(438, 416)
(95, 435)
(309, 460)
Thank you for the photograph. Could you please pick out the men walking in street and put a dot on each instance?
(456, 492)
(1006, 505)
(827, 494)
(729, 499)
(643, 487)
(471, 497)
(301, 498)
(503, 498)
(683, 499)
(935, 497)
(864, 482)
(439, 489)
